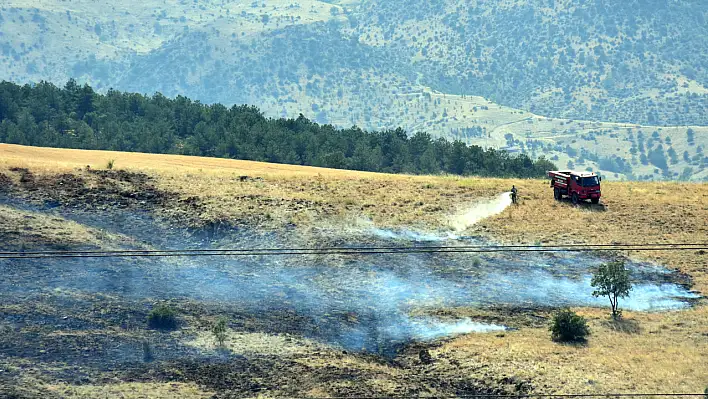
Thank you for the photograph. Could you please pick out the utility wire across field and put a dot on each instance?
(391, 250)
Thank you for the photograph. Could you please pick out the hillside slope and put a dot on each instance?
(471, 70)
(643, 353)
(633, 61)
(636, 62)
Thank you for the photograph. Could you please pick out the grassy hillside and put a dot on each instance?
(653, 352)
(638, 61)
(290, 194)
(475, 71)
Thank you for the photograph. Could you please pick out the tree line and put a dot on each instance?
(76, 116)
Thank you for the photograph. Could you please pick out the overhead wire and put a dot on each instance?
(268, 249)
(391, 250)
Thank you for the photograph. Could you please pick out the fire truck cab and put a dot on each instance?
(578, 186)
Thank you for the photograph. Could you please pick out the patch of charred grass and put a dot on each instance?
(75, 337)
(85, 189)
(26, 230)
(330, 373)
(28, 387)
(70, 362)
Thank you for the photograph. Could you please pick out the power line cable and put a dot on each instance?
(347, 251)
(354, 248)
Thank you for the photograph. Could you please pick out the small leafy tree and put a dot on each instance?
(219, 331)
(612, 280)
(110, 163)
(567, 326)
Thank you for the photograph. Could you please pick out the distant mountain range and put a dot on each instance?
(577, 81)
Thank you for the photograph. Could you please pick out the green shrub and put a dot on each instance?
(110, 163)
(567, 326)
(163, 318)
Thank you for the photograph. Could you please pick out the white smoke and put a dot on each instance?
(355, 302)
(365, 228)
(480, 210)
(411, 235)
(426, 329)
(461, 221)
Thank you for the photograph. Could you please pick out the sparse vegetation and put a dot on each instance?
(110, 163)
(148, 355)
(612, 280)
(655, 52)
(219, 331)
(162, 317)
(567, 326)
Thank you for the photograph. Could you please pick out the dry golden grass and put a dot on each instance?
(256, 343)
(633, 212)
(669, 352)
(278, 194)
(666, 355)
(132, 390)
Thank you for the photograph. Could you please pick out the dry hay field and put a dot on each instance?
(651, 352)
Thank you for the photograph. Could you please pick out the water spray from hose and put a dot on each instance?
(481, 210)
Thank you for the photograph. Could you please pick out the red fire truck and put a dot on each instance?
(578, 186)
